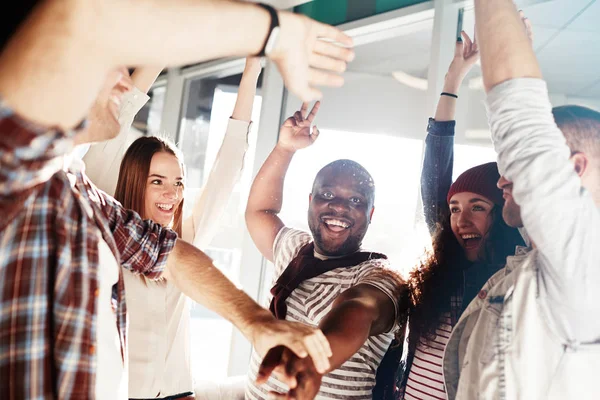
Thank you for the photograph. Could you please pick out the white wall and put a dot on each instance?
(380, 104)
(371, 103)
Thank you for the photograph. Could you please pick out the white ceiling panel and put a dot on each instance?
(542, 36)
(569, 57)
(409, 53)
(592, 91)
(555, 14)
(589, 21)
(571, 61)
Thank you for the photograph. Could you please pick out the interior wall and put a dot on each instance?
(379, 104)
(370, 103)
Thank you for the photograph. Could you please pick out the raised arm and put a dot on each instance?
(558, 213)
(144, 77)
(104, 158)
(436, 175)
(244, 103)
(55, 53)
(361, 311)
(506, 48)
(266, 194)
(227, 168)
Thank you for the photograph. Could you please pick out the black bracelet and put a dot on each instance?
(274, 24)
(449, 95)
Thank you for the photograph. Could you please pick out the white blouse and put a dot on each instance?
(159, 315)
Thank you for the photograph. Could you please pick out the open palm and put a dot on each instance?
(310, 54)
(295, 133)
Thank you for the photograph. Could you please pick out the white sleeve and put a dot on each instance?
(224, 175)
(103, 160)
(558, 213)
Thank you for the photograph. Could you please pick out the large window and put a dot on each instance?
(148, 119)
(394, 163)
(209, 104)
(398, 228)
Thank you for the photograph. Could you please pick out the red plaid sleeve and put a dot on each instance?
(143, 245)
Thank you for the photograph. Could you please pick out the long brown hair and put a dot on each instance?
(439, 276)
(133, 174)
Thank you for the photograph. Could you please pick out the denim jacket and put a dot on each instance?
(436, 175)
(534, 332)
(436, 179)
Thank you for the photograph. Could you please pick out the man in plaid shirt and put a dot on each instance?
(60, 236)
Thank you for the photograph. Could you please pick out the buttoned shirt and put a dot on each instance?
(51, 221)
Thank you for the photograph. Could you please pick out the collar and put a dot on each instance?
(73, 164)
(324, 257)
(513, 261)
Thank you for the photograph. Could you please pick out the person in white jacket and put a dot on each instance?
(532, 332)
(151, 180)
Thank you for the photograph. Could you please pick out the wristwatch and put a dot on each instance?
(274, 30)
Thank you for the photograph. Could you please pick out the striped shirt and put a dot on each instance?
(51, 224)
(426, 379)
(310, 302)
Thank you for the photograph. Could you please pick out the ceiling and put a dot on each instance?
(566, 40)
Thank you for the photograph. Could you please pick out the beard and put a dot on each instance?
(511, 213)
(349, 246)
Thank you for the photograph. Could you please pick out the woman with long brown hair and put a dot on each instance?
(470, 241)
(151, 182)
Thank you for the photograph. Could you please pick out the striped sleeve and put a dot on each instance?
(378, 274)
(286, 246)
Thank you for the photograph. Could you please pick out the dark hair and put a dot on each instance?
(12, 17)
(581, 127)
(439, 276)
(349, 166)
(133, 174)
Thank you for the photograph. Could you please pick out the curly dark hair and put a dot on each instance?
(440, 275)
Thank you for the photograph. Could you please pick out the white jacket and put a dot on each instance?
(533, 332)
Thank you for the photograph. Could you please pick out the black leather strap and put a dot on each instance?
(274, 24)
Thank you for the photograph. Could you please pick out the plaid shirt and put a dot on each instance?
(50, 222)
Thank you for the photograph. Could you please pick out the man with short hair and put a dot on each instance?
(323, 278)
(533, 331)
(581, 128)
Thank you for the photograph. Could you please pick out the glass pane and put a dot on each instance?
(398, 229)
(148, 119)
(467, 156)
(394, 162)
(202, 129)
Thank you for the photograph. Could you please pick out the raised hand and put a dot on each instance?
(466, 54)
(299, 374)
(309, 53)
(302, 340)
(295, 133)
(527, 25)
